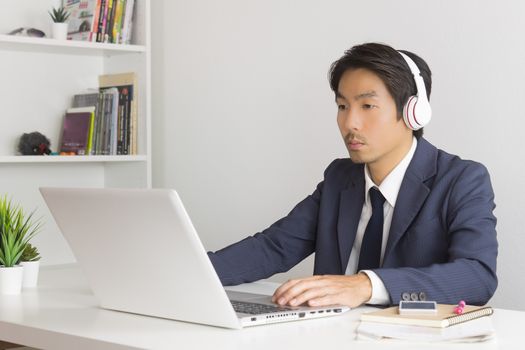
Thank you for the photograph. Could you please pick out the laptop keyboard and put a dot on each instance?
(255, 308)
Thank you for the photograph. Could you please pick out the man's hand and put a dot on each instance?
(351, 291)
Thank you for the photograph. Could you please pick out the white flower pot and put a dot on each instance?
(30, 278)
(59, 31)
(11, 279)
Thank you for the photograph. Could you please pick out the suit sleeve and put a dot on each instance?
(470, 271)
(276, 249)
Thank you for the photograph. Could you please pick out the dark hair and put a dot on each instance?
(391, 68)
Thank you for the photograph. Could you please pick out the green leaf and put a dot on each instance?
(59, 15)
(16, 230)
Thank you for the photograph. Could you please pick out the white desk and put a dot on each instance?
(62, 313)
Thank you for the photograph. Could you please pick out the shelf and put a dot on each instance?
(71, 159)
(46, 45)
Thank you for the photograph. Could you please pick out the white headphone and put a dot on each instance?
(416, 112)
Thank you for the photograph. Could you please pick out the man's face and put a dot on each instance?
(367, 119)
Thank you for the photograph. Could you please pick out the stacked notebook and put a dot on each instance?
(77, 133)
(473, 325)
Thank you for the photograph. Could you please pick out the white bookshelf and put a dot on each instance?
(72, 159)
(39, 78)
(68, 47)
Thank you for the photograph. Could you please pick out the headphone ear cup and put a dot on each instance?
(409, 113)
(416, 114)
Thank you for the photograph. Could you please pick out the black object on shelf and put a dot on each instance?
(34, 144)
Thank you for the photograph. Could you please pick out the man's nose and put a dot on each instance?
(351, 120)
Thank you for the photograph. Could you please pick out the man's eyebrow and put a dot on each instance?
(339, 95)
(367, 94)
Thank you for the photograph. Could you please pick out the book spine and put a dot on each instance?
(122, 20)
(100, 131)
(129, 104)
(134, 121)
(120, 126)
(113, 129)
(107, 123)
(104, 146)
(107, 32)
(90, 134)
(100, 118)
(101, 18)
(125, 123)
(105, 21)
(117, 22)
(94, 23)
(100, 123)
(132, 129)
(93, 129)
(111, 121)
(121, 116)
(126, 30)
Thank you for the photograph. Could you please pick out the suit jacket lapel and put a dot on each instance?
(350, 207)
(412, 194)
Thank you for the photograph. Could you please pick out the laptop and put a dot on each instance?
(141, 254)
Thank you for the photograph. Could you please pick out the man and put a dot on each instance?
(399, 219)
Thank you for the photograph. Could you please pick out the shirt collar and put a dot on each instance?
(390, 186)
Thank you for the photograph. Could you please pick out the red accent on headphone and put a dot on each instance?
(414, 114)
(408, 111)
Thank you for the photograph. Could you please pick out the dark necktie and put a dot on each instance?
(370, 254)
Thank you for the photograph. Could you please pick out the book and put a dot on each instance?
(116, 24)
(77, 131)
(445, 316)
(94, 29)
(82, 19)
(111, 120)
(109, 21)
(100, 24)
(480, 329)
(127, 20)
(91, 99)
(126, 84)
(102, 21)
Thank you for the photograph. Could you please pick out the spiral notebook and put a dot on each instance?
(444, 317)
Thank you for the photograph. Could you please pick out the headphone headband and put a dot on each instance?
(420, 83)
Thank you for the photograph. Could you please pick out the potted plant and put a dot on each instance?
(59, 17)
(30, 260)
(16, 229)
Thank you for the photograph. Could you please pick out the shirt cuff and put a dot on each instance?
(380, 295)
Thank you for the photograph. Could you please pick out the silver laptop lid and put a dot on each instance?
(141, 253)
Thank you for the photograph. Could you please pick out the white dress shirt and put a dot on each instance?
(389, 188)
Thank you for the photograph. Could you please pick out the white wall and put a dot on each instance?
(244, 120)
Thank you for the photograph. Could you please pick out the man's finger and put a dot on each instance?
(298, 288)
(283, 288)
(312, 293)
(287, 285)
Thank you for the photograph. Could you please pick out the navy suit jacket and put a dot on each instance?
(442, 238)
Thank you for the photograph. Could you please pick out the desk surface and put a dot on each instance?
(62, 313)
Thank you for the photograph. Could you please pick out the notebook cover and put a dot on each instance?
(77, 131)
(445, 316)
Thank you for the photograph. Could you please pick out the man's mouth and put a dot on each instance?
(354, 144)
